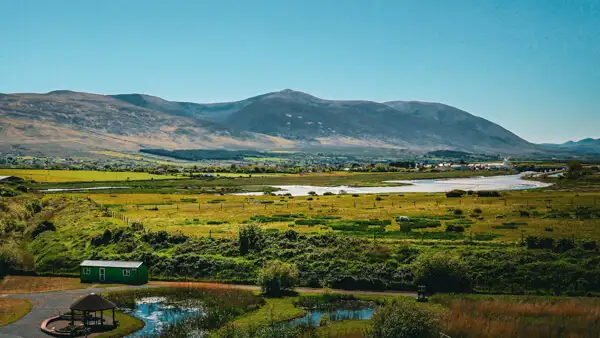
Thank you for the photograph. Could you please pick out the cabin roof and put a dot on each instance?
(112, 264)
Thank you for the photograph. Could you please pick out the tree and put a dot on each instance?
(276, 277)
(441, 273)
(250, 238)
(574, 169)
(404, 319)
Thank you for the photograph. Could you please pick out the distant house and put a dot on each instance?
(121, 272)
(10, 179)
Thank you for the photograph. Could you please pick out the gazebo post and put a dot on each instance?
(72, 323)
(102, 318)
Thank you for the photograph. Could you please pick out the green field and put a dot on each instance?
(80, 175)
(540, 241)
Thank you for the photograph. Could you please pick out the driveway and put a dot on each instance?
(46, 305)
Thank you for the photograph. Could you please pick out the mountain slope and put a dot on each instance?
(416, 125)
(63, 121)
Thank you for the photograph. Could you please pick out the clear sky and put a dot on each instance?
(532, 66)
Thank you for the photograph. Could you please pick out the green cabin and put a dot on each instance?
(119, 272)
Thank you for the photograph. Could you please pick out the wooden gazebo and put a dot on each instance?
(89, 304)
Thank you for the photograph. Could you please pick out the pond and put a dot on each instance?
(314, 317)
(504, 182)
(157, 314)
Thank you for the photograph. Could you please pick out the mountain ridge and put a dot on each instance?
(283, 119)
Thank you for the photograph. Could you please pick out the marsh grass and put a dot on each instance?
(516, 316)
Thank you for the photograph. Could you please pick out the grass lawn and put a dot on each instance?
(12, 310)
(80, 175)
(127, 325)
(345, 328)
(275, 310)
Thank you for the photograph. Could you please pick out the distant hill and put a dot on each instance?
(585, 146)
(66, 122)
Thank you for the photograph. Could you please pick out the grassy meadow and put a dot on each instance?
(508, 218)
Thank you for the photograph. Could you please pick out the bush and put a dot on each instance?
(486, 193)
(312, 193)
(327, 193)
(477, 211)
(589, 245)
(458, 211)
(42, 227)
(404, 319)
(276, 277)
(456, 193)
(441, 273)
(455, 228)
(250, 238)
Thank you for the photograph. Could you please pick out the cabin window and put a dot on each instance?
(126, 272)
(87, 271)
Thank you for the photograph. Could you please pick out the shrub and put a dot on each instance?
(477, 210)
(250, 238)
(5, 192)
(589, 245)
(327, 193)
(487, 193)
(564, 244)
(534, 242)
(312, 193)
(441, 273)
(42, 227)
(378, 198)
(276, 277)
(456, 193)
(455, 228)
(458, 211)
(404, 319)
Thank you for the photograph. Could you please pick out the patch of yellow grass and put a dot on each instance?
(11, 310)
(32, 284)
(80, 175)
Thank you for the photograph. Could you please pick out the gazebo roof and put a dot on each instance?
(92, 302)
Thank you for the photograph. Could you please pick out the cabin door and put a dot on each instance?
(102, 274)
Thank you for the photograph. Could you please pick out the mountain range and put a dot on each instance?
(68, 122)
(585, 146)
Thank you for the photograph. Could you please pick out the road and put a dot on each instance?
(48, 304)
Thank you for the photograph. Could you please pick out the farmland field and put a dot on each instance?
(80, 175)
(508, 218)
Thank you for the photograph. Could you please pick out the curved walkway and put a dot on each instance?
(48, 304)
(45, 305)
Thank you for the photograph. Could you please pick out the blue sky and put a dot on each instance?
(532, 66)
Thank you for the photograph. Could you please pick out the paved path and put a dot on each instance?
(43, 306)
(48, 304)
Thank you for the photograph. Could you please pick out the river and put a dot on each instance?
(505, 182)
